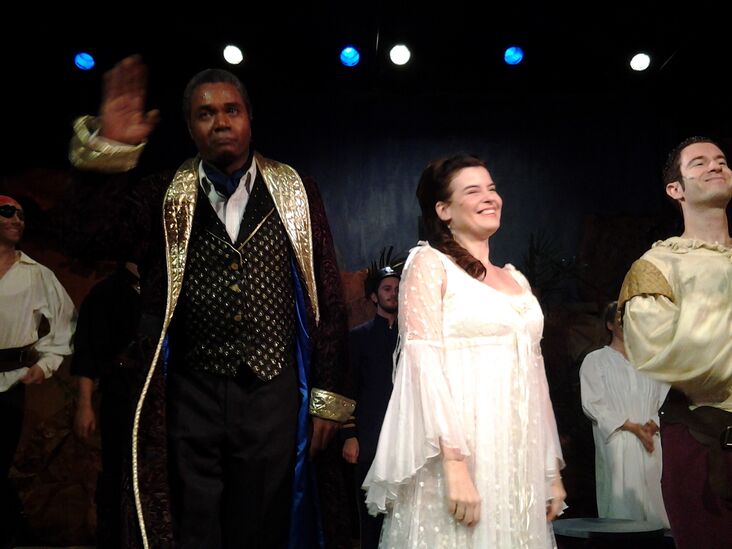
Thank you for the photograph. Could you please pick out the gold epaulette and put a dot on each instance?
(643, 278)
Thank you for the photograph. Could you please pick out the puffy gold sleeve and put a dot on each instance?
(89, 152)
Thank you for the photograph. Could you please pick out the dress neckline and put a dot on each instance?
(508, 267)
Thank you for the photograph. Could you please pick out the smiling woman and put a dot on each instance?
(480, 465)
(475, 206)
(473, 214)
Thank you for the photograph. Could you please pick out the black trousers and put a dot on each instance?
(115, 424)
(12, 403)
(232, 453)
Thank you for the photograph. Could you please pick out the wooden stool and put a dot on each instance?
(602, 533)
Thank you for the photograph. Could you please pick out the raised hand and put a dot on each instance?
(122, 113)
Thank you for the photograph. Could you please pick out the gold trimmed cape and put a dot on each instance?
(91, 153)
(291, 201)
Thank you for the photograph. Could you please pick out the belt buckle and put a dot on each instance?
(726, 439)
(21, 356)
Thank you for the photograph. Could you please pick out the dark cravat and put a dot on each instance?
(225, 184)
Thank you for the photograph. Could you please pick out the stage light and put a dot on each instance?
(513, 55)
(400, 54)
(350, 56)
(640, 62)
(84, 61)
(233, 55)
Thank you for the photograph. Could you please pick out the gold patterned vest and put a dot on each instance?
(237, 303)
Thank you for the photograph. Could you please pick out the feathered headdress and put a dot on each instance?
(387, 266)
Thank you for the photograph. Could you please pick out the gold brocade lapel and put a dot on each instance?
(291, 201)
(178, 207)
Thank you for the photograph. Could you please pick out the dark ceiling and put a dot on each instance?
(457, 48)
(456, 44)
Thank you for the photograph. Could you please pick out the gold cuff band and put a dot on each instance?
(91, 153)
(331, 405)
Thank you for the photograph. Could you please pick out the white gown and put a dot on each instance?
(628, 478)
(469, 376)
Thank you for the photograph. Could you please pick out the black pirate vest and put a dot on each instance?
(237, 306)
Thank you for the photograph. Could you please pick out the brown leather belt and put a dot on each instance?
(712, 427)
(18, 357)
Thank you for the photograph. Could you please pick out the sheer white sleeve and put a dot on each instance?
(421, 414)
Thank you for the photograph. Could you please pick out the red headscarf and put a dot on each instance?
(8, 200)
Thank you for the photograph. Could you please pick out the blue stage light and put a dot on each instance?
(84, 61)
(513, 55)
(350, 56)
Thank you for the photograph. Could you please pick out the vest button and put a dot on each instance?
(234, 266)
(237, 317)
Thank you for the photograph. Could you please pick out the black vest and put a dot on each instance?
(238, 301)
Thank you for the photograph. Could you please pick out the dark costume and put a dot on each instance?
(371, 348)
(106, 326)
(199, 329)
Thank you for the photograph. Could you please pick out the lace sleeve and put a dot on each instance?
(420, 417)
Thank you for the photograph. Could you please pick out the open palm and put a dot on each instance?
(122, 112)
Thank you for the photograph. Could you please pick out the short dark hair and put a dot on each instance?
(672, 166)
(611, 309)
(213, 76)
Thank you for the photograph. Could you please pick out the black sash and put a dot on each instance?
(19, 357)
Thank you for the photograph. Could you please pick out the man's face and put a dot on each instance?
(386, 297)
(707, 178)
(220, 126)
(11, 228)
